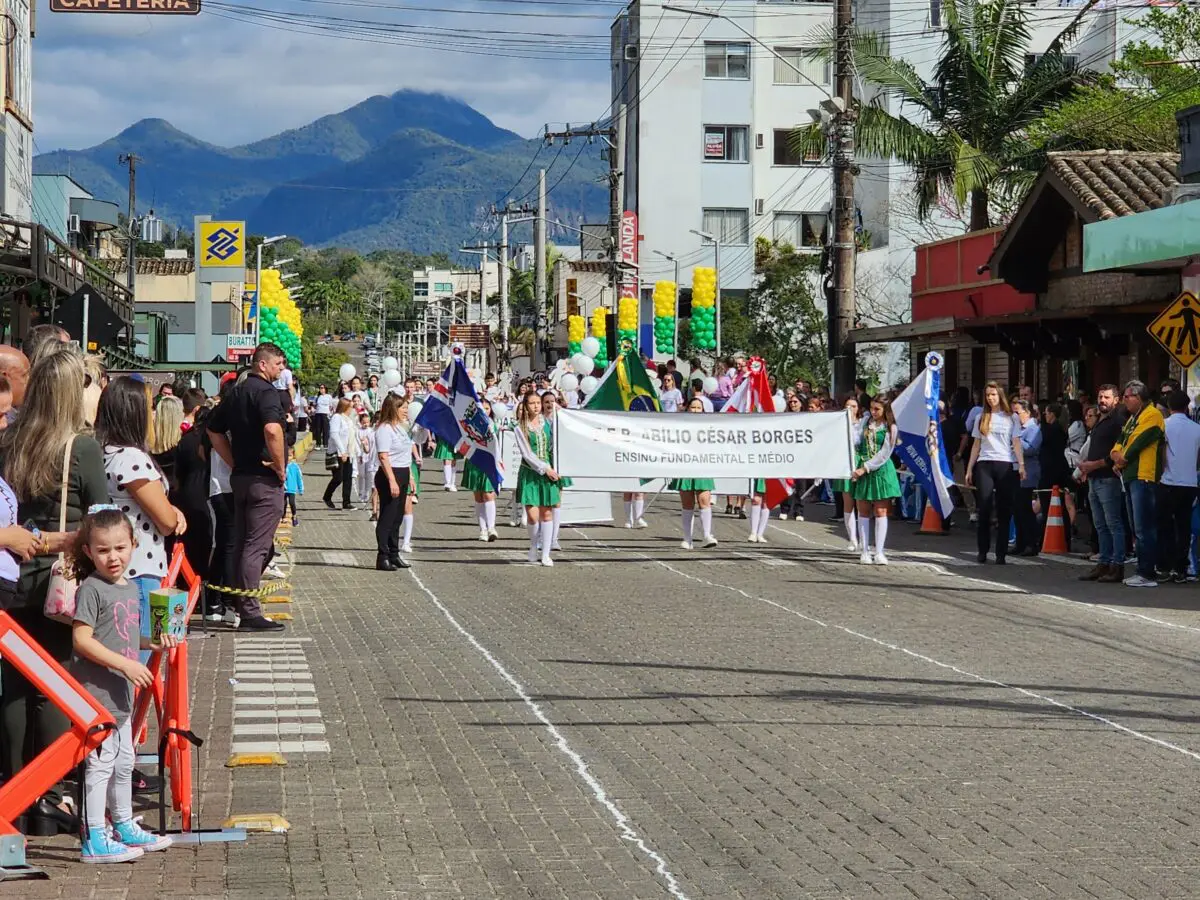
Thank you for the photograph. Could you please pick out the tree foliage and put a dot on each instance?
(786, 323)
(320, 363)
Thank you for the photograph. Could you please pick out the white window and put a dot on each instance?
(800, 229)
(725, 143)
(729, 226)
(785, 155)
(726, 60)
(814, 66)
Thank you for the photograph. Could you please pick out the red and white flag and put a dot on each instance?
(754, 395)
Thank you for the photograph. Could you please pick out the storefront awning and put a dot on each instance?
(1167, 238)
(890, 334)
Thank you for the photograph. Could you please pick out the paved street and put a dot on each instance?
(645, 722)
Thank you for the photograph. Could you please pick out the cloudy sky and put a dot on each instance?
(245, 69)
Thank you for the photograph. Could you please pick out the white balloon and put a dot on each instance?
(347, 371)
(398, 390)
(389, 363)
(590, 347)
(569, 382)
(560, 365)
(392, 377)
(588, 384)
(414, 409)
(710, 385)
(583, 365)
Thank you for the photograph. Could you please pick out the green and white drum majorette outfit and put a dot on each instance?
(444, 451)
(686, 485)
(563, 481)
(874, 453)
(534, 487)
(473, 478)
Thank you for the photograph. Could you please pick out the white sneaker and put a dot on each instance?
(783, 517)
(753, 539)
(865, 558)
(453, 489)
(555, 547)
(642, 523)
(534, 554)
(710, 541)
(483, 536)
(880, 559)
(852, 548)
(628, 524)
(1139, 582)
(446, 488)
(492, 536)
(686, 545)
(798, 518)
(974, 517)
(407, 548)
(762, 538)
(214, 617)
(231, 618)
(273, 571)
(547, 563)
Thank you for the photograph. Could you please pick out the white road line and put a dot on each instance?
(250, 665)
(278, 728)
(277, 713)
(284, 747)
(888, 645)
(628, 833)
(271, 642)
(272, 701)
(270, 687)
(273, 674)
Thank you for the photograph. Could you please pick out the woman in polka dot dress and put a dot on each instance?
(136, 484)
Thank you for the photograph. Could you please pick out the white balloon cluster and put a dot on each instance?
(392, 377)
(389, 363)
(582, 365)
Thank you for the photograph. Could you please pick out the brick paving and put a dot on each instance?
(750, 721)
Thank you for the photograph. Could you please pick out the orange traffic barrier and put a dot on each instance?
(1054, 541)
(931, 522)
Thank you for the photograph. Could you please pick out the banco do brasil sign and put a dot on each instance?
(143, 7)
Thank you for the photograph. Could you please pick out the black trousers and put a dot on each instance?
(224, 553)
(1027, 530)
(343, 475)
(1175, 527)
(320, 428)
(391, 511)
(996, 484)
(289, 501)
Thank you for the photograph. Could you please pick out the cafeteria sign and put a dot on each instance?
(141, 7)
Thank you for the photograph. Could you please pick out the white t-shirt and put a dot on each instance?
(300, 406)
(324, 404)
(1183, 446)
(396, 443)
(284, 381)
(671, 400)
(123, 465)
(996, 445)
(218, 476)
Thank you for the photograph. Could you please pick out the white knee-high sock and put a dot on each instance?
(754, 519)
(851, 527)
(533, 528)
(407, 522)
(547, 540)
(628, 512)
(764, 518)
(481, 516)
(706, 520)
(864, 533)
(489, 514)
(688, 515)
(448, 472)
(557, 522)
(881, 528)
(639, 507)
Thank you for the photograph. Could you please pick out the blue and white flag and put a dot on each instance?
(453, 414)
(920, 440)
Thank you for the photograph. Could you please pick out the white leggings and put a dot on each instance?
(108, 777)
(366, 479)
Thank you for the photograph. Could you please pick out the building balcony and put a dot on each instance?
(100, 214)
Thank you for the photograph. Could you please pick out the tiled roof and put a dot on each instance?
(589, 265)
(150, 265)
(1114, 183)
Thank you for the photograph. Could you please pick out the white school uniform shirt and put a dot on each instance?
(324, 404)
(671, 400)
(996, 445)
(340, 435)
(396, 443)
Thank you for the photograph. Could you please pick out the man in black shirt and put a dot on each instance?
(1104, 490)
(254, 419)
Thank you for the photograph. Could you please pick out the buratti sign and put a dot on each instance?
(143, 7)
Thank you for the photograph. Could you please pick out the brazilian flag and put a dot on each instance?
(625, 387)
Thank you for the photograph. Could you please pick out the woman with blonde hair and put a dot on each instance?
(995, 451)
(339, 454)
(166, 430)
(49, 429)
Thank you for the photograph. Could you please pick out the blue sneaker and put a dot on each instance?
(132, 834)
(100, 847)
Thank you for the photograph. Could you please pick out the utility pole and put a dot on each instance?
(842, 308)
(509, 214)
(131, 160)
(539, 272)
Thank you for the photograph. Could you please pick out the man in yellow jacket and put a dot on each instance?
(1138, 456)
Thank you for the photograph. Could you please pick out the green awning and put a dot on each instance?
(1157, 239)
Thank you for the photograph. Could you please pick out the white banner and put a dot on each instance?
(703, 445)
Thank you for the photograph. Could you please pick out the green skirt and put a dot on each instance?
(564, 482)
(690, 484)
(473, 479)
(536, 490)
(760, 486)
(840, 486)
(414, 479)
(882, 484)
(443, 450)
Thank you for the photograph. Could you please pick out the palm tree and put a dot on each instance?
(969, 136)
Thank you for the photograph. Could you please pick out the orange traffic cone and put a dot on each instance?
(931, 522)
(1054, 541)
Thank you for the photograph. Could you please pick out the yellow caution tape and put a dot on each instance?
(264, 591)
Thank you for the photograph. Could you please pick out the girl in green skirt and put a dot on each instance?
(419, 436)
(550, 405)
(842, 488)
(875, 482)
(446, 454)
(695, 492)
(485, 491)
(537, 482)
(760, 513)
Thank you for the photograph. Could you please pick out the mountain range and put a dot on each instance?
(414, 171)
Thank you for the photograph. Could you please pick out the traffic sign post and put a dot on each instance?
(238, 347)
(1177, 329)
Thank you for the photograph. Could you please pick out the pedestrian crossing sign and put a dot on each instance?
(1177, 329)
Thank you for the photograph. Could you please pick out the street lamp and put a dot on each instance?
(716, 242)
(671, 257)
(258, 281)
